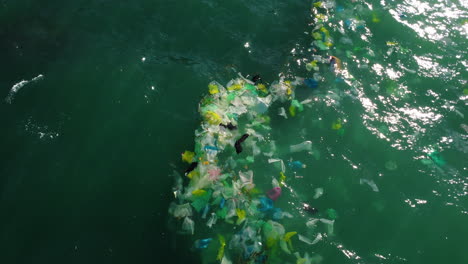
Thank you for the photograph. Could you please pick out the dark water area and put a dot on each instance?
(90, 139)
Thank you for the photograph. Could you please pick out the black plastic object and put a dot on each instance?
(192, 166)
(229, 126)
(309, 208)
(257, 79)
(238, 143)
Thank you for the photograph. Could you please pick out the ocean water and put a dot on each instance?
(99, 99)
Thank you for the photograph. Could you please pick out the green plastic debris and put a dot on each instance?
(188, 156)
(391, 165)
(332, 214)
(317, 35)
(200, 201)
(295, 105)
(221, 213)
(222, 242)
(321, 45)
(435, 156)
(213, 88)
(298, 105)
(251, 88)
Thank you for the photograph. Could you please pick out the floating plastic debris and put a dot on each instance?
(296, 165)
(15, 89)
(304, 146)
(318, 193)
(391, 165)
(371, 183)
(202, 243)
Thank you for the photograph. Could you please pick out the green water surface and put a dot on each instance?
(87, 150)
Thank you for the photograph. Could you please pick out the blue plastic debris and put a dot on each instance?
(311, 83)
(296, 165)
(202, 243)
(265, 204)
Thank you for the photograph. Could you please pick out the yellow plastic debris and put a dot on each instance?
(317, 4)
(282, 178)
(222, 241)
(324, 30)
(192, 174)
(320, 16)
(213, 88)
(287, 238)
(262, 88)
(336, 125)
(288, 235)
(375, 19)
(198, 192)
(241, 214)
(213, 118)
(234, 87)
(292, 110)
(188, 156)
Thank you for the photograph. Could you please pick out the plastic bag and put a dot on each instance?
(188, 226)
(180, 211)
(304, 146)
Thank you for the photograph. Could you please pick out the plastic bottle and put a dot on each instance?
(212, 220)
(296, 165)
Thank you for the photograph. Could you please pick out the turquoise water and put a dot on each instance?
(91, 138)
